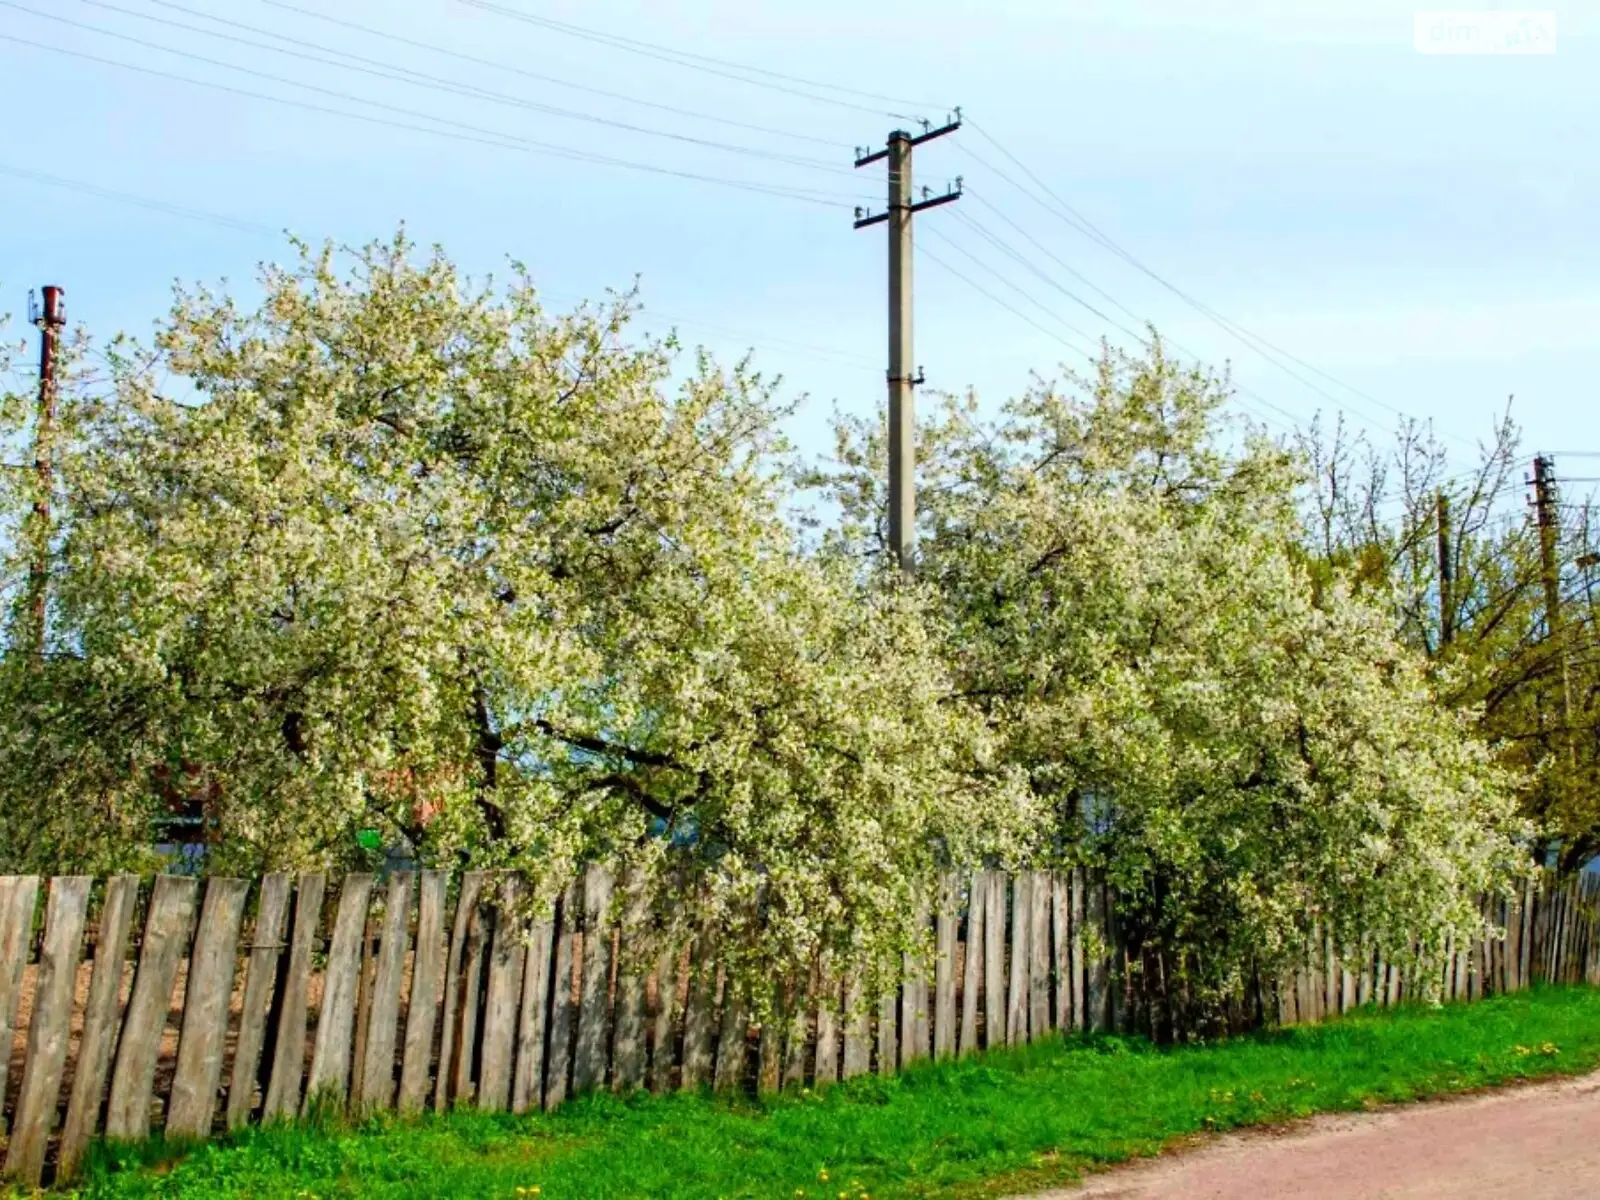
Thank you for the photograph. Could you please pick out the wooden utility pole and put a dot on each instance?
(902, 418)
(1447, 600)
(51, 318)
(1544, 503)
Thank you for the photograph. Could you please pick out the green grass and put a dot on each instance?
(1012, 1120)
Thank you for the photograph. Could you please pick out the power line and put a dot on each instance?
(703, 62)
(483, 137)
(390, 71)
(1021, 291)
(177, 210)
(187, 212)
(492, 64)
(1005, 304)
(1240, 390)
(1065, 212)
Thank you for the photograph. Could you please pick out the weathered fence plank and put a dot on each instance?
(563, 1012)
(594, 1016)
(1075, 959)
(166, 937)
(797, 1033)
(289, 1049)
(1061, 942)
(100, 1015)
(698, 1011)
(66, 911)
(266, 949)
(376, 1086)
(944, 969)
(769, 1055)
(330, 1055)
(662, 1042)
(972, 968)
(628, 1049)
(889, 1032)
(1039, 962)
(732, 1038)
(19, 895)
(422, 1010)
(1097, 967)
(994, 960)
(507, 960)
(469, 1009)
(827, 1067)
(205, 1009)
(914, 1023)
(466, 916)
(1017, 988)
(527, 1083)
(857, 1028)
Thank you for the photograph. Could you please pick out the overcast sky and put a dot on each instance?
(1420, 228)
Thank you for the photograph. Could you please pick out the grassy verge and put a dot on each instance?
(1008, 1121)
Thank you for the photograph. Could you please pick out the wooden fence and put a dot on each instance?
(194, 1008)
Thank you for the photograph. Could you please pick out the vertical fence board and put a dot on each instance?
(469, 1007)
(857, 1028)
(422, 1010)
(166, 937)
(507, 959)
(466, 910)
(994, 960)
(1017, 989)
(1097, 983)
(563, 1015)
(1061, 941)
(100, 1014)
(19, 895)
(888, 1032)
(205, 1009)
(1330, 967)
(330, 1055)
(697, 1013)
(66, 910)
(1075, 959)
(594, 1017)
(261, 969)
(527, 1081)
(289, 1049)
(827, 1069)
(633, 968)
(662, 1042)
(733, 1038)
(769, 1059)
(944, 968)
(914, 1039)
(1038, 954)
(972, 973)
(796, 1034)
(376, 1086)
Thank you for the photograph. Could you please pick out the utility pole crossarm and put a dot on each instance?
(897, 217)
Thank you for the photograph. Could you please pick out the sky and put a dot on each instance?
(1381, 231)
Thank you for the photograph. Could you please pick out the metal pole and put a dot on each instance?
(902, 416)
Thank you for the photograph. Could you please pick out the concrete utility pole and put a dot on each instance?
(51, 318)
(1544, 502)
(1447, 600)
(902, 416)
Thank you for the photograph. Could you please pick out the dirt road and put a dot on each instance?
(1528, 1143)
